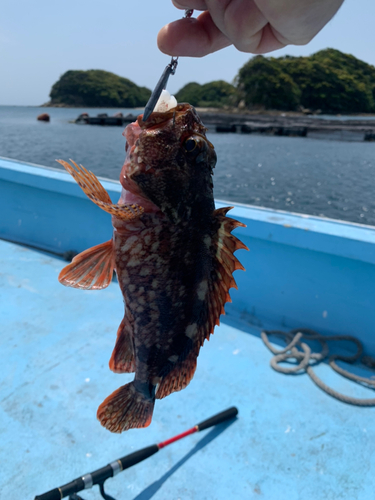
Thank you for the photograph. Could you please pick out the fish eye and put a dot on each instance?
(190, 145)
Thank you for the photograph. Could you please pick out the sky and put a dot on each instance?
(40, 40)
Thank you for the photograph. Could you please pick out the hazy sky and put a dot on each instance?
(41, 39)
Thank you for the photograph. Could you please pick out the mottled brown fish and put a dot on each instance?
(173, 255)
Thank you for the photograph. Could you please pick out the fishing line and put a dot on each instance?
(162, 83)
(112, 469)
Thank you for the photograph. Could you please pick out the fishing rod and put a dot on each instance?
(99, 476)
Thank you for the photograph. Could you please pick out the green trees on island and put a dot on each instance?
(97, 88)
(262, 83)
(210, 95)
(328, 80)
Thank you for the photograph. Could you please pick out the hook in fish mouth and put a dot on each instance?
(159, 118)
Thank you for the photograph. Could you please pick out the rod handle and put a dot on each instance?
(50, 495)
(219, 418)
(138, 456)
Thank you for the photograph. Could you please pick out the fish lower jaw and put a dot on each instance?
(131, 195)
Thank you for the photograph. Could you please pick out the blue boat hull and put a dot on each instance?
(290, 439)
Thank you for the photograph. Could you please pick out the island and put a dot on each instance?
(97, 89)
(328, 82)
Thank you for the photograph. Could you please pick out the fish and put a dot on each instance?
(173, 254)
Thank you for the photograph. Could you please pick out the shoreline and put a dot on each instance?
(222, 111)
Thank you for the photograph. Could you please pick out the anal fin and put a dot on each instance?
(179, 377)
(92, 188)
(123, 359)
(91, 269)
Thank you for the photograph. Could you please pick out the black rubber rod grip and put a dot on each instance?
(218, 419)
(138, 456)
(58, 493)
(50, 495)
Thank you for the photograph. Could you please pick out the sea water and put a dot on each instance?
(323, 177)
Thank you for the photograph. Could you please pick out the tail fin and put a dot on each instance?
(126, 408)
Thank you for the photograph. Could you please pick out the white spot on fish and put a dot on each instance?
(155, 246)
(145, 271)
(202, 289)
(129, 242)
(207, 241)
(140, 160)
(173, 359)
(191, 330)
(131, 288)
(134, 262)
(136, 249)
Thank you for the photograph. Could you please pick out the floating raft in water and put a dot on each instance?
(290, 126)
(103, 119)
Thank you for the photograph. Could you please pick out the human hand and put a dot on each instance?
(256, 26)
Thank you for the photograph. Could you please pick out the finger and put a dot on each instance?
(242, 22)
(190, 4)
(192, 37)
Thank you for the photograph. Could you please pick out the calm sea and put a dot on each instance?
(329, 178)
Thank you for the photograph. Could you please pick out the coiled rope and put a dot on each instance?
(306, 359)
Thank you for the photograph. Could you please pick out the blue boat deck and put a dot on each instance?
(290, 439)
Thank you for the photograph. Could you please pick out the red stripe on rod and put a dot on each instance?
(176, 438)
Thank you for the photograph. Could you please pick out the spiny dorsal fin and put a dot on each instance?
(216, 288)
(91, 269)
(223, 246)
(92, 188)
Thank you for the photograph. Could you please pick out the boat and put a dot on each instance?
(290, 439)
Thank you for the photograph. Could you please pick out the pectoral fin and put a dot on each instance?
(91, 269)
(92, 188)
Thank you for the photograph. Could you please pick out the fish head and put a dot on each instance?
(170, 162)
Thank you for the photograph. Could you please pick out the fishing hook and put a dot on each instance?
(162, 83)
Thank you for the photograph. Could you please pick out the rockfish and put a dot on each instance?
(173, 255)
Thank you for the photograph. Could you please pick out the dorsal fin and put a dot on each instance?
(92, 188)
(223, 245)
(214, 290)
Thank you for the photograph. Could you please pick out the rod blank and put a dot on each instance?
(101, 475)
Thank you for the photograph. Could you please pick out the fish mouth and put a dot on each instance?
(134, 163)
(157, 119)
(183, 115)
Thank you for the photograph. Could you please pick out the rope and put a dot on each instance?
(302, 353)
